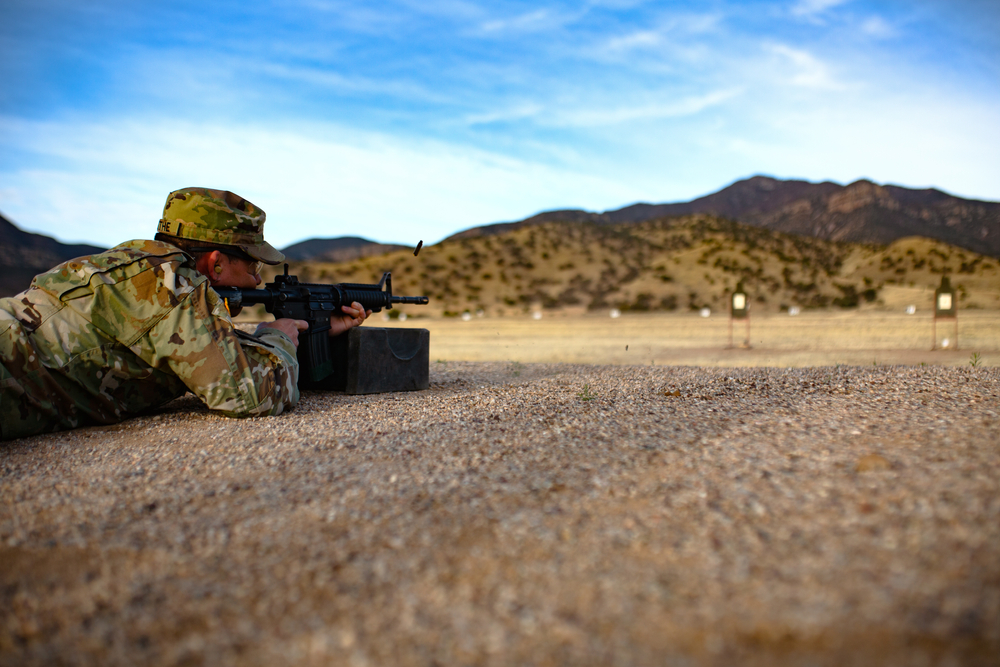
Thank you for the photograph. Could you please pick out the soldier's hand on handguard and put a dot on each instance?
(354, 316)
(288, 326)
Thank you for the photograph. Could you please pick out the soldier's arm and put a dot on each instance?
(231, 371)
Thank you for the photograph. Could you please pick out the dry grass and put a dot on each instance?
(809, 339)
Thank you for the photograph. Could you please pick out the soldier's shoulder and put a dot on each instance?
(126, 262)
(139, 248)
(123, 254)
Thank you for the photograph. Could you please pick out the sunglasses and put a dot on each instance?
(255, 264)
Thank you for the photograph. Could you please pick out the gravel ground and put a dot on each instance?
(522, 514)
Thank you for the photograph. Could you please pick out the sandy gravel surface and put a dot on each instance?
(522, 514)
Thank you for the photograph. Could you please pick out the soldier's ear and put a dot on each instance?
(210, 264)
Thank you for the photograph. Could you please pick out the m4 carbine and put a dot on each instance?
(286, 297)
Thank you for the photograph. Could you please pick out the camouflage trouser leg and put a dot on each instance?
(17, 420)
(4, 376)
(6, 398)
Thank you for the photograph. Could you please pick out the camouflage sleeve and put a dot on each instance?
(231, 371)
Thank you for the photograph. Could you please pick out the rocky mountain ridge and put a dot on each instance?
(861, 212)
(340, 249)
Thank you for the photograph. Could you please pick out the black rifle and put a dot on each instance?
(286, 297)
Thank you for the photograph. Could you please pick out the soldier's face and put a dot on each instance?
(243, 273)
(226, 271)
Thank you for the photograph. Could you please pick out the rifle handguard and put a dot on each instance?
(287, 297)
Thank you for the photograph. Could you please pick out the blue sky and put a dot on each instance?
(404, 120)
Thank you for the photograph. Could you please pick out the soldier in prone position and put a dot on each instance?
(99, 339)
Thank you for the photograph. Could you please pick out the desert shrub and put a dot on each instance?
(597, 302)
(569, 297)
(643, 302)
(813, 301)
(849, 298)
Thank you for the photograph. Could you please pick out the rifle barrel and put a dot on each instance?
(419, 300)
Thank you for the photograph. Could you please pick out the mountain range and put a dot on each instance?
(341, 249)
(862, 212)
(674, 263)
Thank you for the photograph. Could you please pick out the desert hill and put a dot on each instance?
(24, 254)
(862, 212)
(341, 249)
(668, 264)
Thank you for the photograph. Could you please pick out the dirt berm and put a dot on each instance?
(522, 515)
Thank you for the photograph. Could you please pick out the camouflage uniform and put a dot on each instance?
(98, 339)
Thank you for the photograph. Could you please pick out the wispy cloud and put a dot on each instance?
(538, 20)
(452, 10)
(352, 16)
(324, 78)
(878, 27)
(561, 115)
(814, 9)
(639, 39)
(669, 29)
(596, 116)
(806, 70)
(507, 115)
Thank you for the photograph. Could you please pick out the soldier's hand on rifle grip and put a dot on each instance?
(354, 316)
(288, 326)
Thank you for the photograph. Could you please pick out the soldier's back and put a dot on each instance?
(65, 342)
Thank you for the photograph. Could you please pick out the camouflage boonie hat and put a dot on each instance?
(218, 216)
